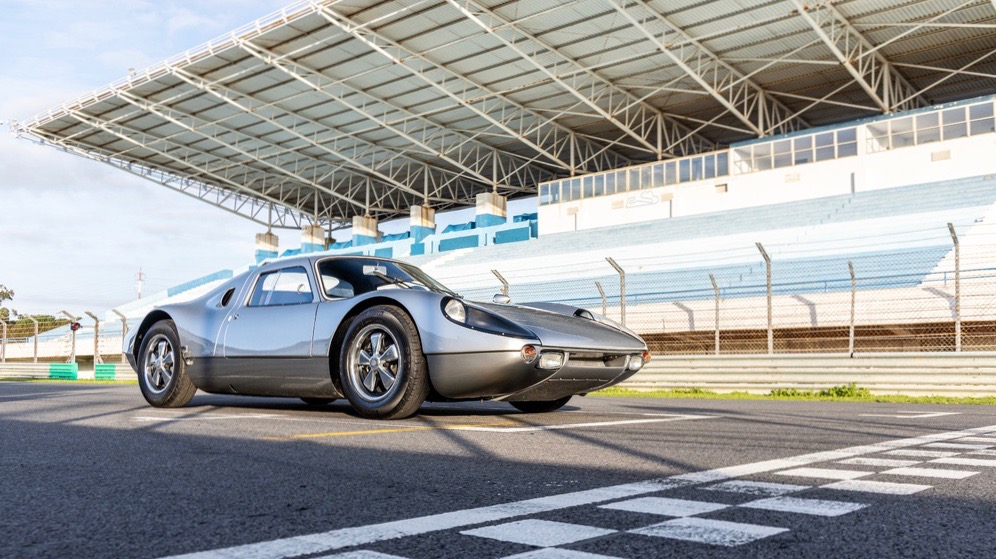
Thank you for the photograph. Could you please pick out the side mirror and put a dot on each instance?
(501, 299)
(369, 270)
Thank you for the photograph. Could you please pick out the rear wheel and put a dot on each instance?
(163, 376)
(381, 365)
(541, 407)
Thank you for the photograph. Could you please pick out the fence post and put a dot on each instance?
(504, 282)
(767, 265)
(854, 291)
(957, 297)
(72, 354)
(602, 293)
(3, 342)
(715, 289)
(622, 290)
(124, 333)
(35, 358)
(96, 339)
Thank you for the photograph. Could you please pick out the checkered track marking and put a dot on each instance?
(547, 534)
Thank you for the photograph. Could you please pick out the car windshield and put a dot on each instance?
(344, 277)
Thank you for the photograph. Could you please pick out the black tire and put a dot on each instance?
(386, 383)
(541, 407)
(162, 374)
(318, 402)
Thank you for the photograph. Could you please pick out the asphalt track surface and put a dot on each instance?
(92, 471)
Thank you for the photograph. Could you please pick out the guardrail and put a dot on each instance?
(55, 371)
(949, 374)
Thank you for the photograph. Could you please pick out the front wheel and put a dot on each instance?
(381, 365)
(162, 374)
(541, 407)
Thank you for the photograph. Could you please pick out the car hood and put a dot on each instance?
(561, 330)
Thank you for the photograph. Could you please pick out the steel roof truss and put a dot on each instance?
(348, 162)
(92, 121)
(450, 146)
(542, 134)
(174, 116)
(648, 127)
(884, 85)
(742, 98)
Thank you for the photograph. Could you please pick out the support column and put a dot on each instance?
(423, 222)
(312, 239)
(365, 230)
(267, 245)
(490, 209)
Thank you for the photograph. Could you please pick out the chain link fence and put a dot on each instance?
(925, 289)
(929, 289)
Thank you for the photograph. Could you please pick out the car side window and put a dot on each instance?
(289, 286)
(335, 281)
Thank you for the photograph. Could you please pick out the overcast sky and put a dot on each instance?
(74, 233)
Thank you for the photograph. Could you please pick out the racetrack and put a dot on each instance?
(92, 471)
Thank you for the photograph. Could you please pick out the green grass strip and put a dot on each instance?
(846, 393)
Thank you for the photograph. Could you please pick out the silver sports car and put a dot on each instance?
(380, 333)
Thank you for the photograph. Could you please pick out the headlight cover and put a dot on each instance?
(479, 319)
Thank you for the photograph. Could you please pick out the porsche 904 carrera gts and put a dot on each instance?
(378, 332)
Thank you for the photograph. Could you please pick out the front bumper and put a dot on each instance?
(504, 374)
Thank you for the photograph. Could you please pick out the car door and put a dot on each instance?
(267, 341)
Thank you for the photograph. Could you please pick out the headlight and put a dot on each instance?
(480, 319)
(551, 360)
(636, 362)
(456, 311)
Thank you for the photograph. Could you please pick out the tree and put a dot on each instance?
(5, 295)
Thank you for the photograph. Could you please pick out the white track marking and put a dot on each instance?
(212, 417)
(982, 452)
(930, 472)
(911, 414)
(958, 446)
(870, 461)
(825, 473)
(582, 425)
(361, 554)
(361, 535)
(813, 507)
(883, 487)
(541, 533)
(708, 531)
(759, 488)
(922, 453)
(555, 553)
(988, 440)
(966, 462)
(666, 507)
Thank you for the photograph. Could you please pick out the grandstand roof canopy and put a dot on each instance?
(335, 108)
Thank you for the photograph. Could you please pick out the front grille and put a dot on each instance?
(596, 359)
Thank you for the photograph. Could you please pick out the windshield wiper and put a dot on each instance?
(391, 279)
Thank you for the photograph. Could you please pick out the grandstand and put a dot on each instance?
(842, 141)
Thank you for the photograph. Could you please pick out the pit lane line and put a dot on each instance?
(361, 535)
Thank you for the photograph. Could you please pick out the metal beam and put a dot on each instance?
(884, 84)
(98, 123)
(351, 164)
(742, 98)
(175, 116)
(467, 153)
(650, 129)
(557, 143)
